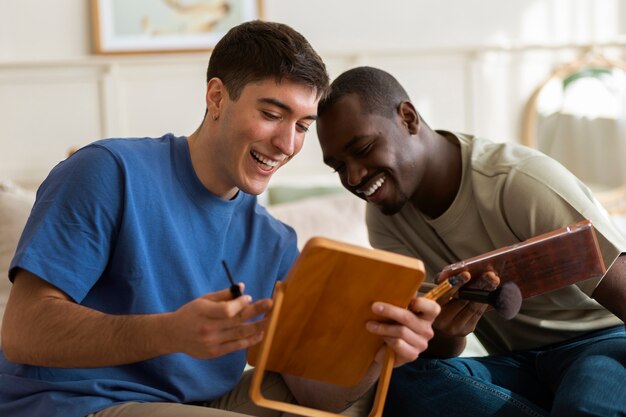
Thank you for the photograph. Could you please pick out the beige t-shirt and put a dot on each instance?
(509, 193)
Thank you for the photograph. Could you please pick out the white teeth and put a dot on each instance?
(269, 162)
(372, 189)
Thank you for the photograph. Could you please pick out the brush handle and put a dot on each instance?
(441, 289)
(435, 291)
(479, 296)
(235, 290)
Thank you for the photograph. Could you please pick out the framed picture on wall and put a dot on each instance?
(154, 26)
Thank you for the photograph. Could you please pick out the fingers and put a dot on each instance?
(253, 310)
(459, 317)
(221, 304)
(427, 309)
(419, 319)
(243, 331)
(211, 325)
(224, 294)
(214, 343)
(462, 279)
(406, 332)
(221, 295)
(235, 311)
(488, 281)
(235, 345)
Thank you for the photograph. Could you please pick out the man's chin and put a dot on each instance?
(389, 209)
(254, 191)
(255, 188)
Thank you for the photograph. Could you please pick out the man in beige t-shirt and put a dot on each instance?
(445, 197)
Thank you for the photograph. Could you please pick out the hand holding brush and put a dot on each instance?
(505, 299)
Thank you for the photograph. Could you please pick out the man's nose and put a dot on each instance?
(356, 173)
(285, 140)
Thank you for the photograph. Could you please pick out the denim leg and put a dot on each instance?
(490, 386)
(589, 375)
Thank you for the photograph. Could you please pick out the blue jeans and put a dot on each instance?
(585, 376)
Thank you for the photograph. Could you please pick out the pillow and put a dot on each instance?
(336, 216)
(284, 193)
(15, 206)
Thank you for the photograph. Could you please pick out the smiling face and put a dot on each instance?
(374, 155)
(254, 135)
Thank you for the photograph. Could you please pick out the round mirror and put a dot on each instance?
(578, 117)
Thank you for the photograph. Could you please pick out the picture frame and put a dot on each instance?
(157, 26)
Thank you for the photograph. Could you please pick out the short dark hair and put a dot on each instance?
(257, 50)
(378, 91)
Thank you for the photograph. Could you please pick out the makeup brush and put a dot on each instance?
(506, 299)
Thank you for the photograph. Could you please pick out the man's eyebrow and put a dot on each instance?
(284, 106)
(347, 146)
(354, 140)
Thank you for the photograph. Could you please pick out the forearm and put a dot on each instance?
(60, 333)
(333, 398)
(43, 326)
(611, 292)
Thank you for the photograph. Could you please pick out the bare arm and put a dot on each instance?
(407, 334)
(611, 292)
(43, 326)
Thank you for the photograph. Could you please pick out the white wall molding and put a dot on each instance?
(478, 89)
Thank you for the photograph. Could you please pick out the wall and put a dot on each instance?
(468, 65)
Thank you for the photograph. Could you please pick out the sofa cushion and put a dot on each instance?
(335, 216)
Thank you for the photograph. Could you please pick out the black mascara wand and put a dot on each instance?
(234, 288)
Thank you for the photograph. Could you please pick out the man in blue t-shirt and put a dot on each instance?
(120, 303)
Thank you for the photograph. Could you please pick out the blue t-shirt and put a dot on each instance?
(125, 226)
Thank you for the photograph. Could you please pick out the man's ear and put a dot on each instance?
(409, 117)
(215, 95)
